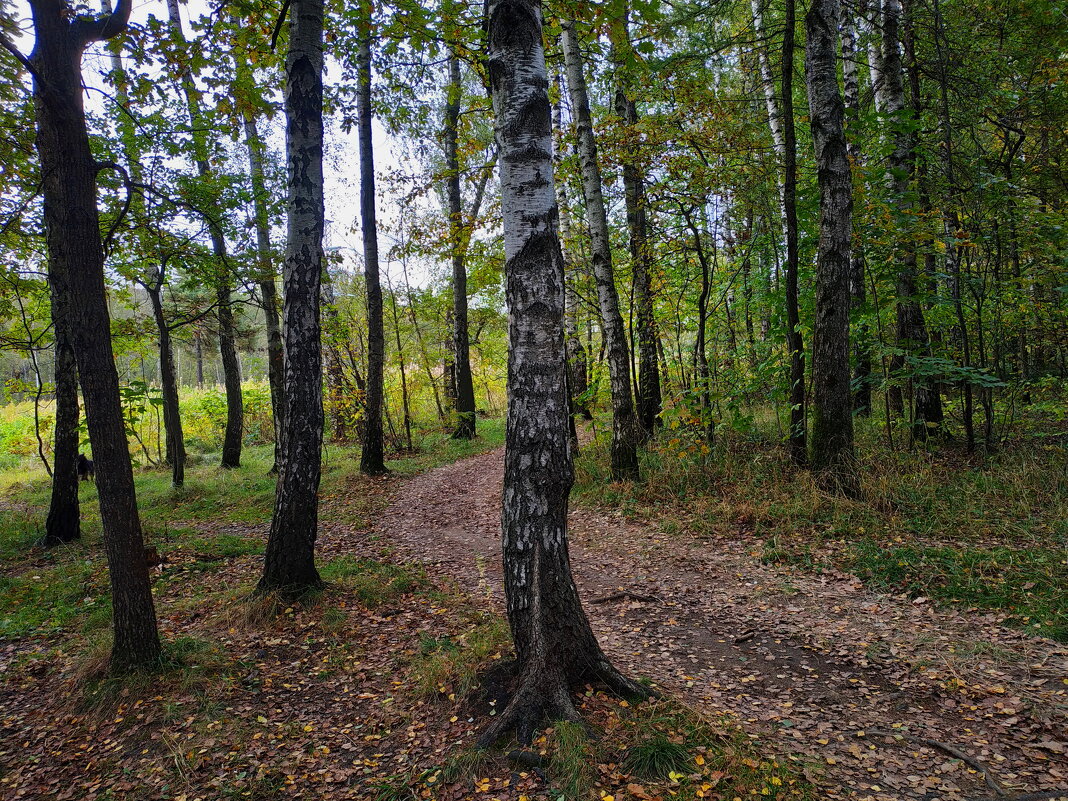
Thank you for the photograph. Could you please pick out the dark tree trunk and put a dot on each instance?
(555, 645)
(76, 262)
(794, 343)
(625, 427)
(832, 420)
(63, 522)
(235, 413)
(199, 342)
(172, 416)
(465, 390)
(289, 562)
(372, 457)
(268, 290)
(704, 375)
(649, 392)
(911, 327)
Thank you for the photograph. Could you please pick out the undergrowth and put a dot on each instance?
(984, 531)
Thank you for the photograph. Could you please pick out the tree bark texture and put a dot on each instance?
(231, 366)
(577, 378)
(63, 523)
(465, 389)
(784, 139)
(76, 262)
(794, 342)
(289, 562)
(625, 431)
(862, 377)
(832, 421)
(372, 456)
(555, 645)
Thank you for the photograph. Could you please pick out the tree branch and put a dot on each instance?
(99, 29)
(10, 47)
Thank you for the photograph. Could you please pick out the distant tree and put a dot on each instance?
(555, 645)
(372, 455)
(63, 523)
(465, 390)
(625, 424)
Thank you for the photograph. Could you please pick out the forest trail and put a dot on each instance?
(816, 664)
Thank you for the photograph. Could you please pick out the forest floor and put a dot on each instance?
(891, 696)
(377, 688)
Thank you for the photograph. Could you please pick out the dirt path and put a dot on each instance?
(815, 664)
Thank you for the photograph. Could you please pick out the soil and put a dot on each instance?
(816, 665)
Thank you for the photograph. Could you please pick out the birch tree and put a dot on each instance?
(289, 562)
(554, 643)
(625, 432)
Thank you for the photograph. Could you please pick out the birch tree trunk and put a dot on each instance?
(235, 413)
(76, 265)
(289, 561)
(577, 379)
(857, 265)
(554, 643)
(625, 431)
(372, 456)
(781, 123)
(832, 419)
(465, 390)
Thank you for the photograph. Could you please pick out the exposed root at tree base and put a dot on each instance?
(544, 695)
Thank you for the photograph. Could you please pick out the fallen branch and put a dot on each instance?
(623, 595)
(746, 637)
(953, 751)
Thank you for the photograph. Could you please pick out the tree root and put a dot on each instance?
(953, 751)
(624, 595)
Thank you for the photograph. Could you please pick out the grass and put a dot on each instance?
(985, 532)
(373, 582)
(65, 589)
(450, 666)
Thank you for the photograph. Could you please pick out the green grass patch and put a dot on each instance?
(373, 582)
(450, 666)
(1030, 585)
(43, 601)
